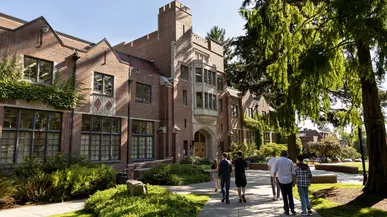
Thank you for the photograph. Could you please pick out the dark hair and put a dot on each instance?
(273, 154)
(240, 153)
(284, 153)
(225, 155)
(300, 158)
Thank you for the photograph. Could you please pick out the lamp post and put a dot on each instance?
(362, 156)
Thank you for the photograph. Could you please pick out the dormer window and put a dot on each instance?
(103, 84)
(38, 71)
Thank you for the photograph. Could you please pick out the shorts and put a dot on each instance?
(240, 182)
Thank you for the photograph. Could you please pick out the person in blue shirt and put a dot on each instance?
(224, 170)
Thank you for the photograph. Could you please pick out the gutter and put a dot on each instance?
(172, 80)
(75, 58)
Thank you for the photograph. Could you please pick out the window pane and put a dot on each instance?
(147, 93)
(26, 119)
(214, 102)
(141, 148)
(106, 125)
(95, 149)
(85, 141)
(116, 147)
(139, 92)
(108, 82)
(7, 147)
(184, 72)
(105, 147)
(116, 125)
(10, 118)
(185, 102)
(205, 100)
(98, 83)
(96, 124)
(39, 145)
(205, 76)
(55, 121)
(40, 120)
(220, 84)
(213, 78)
(30, 69)
(199, 100)
(221, 105)
(45, 73)
(86, 122)
(210, 101)
(143, 129)
(149, 128)
(53, 144)
(135, 127)
(149, 148)
(24, 146)
(134, 147)
(199, 78)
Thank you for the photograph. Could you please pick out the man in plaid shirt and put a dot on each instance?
(303, 176)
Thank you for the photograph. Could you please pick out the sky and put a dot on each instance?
(125, 20)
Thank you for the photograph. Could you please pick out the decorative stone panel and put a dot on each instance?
(102, 105)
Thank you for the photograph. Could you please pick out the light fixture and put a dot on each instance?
(45, 28)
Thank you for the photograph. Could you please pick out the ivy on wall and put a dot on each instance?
(257, 124)
(60, 95)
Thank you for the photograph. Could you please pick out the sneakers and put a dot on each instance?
(223, 200)
(309, 212)
(244, 199)
(303, 214)
(286, 213)
(228, 202)
(240, 200)
(294, 212)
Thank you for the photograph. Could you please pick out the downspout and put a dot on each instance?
(128, 133)
(75, 58)
(172, 80)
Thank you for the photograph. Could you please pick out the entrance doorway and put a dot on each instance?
(200, 145)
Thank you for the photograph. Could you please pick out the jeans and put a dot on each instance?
(273, 187)
(225, 193)
(304, 197)
(287, 196)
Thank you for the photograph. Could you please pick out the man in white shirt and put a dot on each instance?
(284, 170)
(271, 164)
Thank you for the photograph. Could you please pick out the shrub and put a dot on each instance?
(269, 148)
(256, 159)
(350, 153)
(174, 174)
(158, 202)
(34, 188)
(60, 162)
(6, 187)
(247, 149)
(195, 160)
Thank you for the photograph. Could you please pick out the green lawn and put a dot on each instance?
(358, 165)
(158, 202)
(328, 208)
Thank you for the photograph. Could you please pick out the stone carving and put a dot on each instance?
(103, 105)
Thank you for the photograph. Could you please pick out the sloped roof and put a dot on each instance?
(139, 63)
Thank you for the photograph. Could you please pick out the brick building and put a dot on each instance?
(161, 96)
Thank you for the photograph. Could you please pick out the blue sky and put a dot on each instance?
(122, 20)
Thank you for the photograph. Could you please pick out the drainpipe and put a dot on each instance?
(128, 134)
(75, 58)
(172, 80)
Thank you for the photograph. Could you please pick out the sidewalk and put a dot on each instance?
(44, 210)
(258, 195)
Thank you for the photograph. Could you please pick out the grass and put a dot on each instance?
(158, 202)
(327, 208)
(357, 164)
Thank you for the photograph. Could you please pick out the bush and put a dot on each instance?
(34, 188)
(268, 149)
(350, 153)
(158, 202)
(247, 149)
(175, 174)
(6, 187)
(256, 159)
(194, 160)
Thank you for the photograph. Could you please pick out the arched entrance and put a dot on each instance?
(200, 145)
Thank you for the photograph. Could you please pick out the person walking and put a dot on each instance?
(284, 170)
(224, 172)
(271, 163)
(214, 171)
(303, 176)
(240, 165)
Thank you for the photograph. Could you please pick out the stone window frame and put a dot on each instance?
(34, 131)
(184, 75)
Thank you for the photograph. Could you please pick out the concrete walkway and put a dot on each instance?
(44, 210)
(258, 195)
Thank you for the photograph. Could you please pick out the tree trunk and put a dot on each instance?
(292, 147)
(374, 123)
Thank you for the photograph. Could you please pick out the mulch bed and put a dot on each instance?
(353, 197)
(8, 203)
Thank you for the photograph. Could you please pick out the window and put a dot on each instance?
(199, 100)
(249, 112)
(205, 100)
(142, 140)
(185, 99)
(206, 78)
(39, 71)
(185, 123)
(214, 102)
(103, 84)
(250, 137)
(29, 133)
(236, 136)
(185, 148)
(199, 76)
(234, 111)
(184, 72)
(210, 106)
(220, 84)
(143, 93)
(101, 138)
(221, 105)
(213, 78)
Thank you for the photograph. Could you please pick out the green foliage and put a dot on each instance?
(350, 153)
(59, 95)
(175, 174)
(328, 147)
(158, 202)
(6, 187)
(247, 149)
(195, 160)
(256, 159)
(35, 188)
(269, 148)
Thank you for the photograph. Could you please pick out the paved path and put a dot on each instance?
(341, 177)
(44, 210)
(258, 195)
